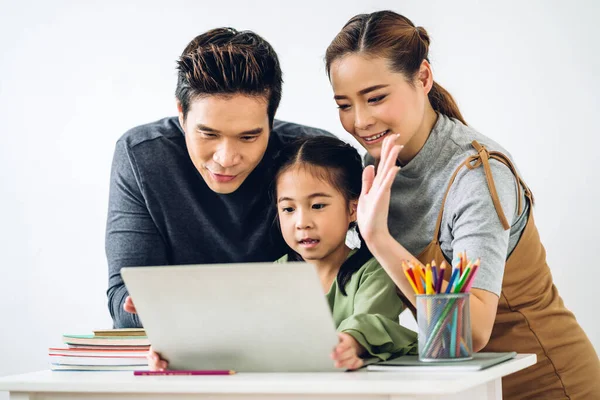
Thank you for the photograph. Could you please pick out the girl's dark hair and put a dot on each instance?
(394, 37)
(338, 164)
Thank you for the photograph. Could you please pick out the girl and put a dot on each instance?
(452, 181)
(316, 191)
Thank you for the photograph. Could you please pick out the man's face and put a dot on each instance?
(226, 137)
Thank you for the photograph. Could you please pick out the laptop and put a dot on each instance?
(251, 317)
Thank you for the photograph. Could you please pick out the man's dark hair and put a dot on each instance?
(225, 62)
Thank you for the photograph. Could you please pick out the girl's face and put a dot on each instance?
(374, 101)
(314, 216)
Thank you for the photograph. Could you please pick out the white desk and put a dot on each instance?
(481, 385)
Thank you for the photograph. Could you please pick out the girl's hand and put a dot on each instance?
(374, 201)
(155, 362)
(347, 353)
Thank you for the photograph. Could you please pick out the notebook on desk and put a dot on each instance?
(259, 317)
(411, 363)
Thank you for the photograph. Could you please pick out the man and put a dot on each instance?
(194, 189)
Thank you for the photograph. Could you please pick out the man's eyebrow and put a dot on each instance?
(310, 196)
(362, 92)
(206, 128)
(254, 131)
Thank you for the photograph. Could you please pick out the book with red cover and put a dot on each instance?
(97, 352)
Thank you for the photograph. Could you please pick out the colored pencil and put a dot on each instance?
(419, 278)
(185, 372)
(409, 277)
(438, 288)
(460, 282)
(467, 287)
(459, 328)
(453, 329)
(428, 280)
(455, 273)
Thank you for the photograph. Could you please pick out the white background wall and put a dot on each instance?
(76, 75)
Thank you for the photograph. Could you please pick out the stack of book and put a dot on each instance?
(105, 350)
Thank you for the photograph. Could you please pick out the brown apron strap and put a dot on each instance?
(506, 161)
(482, 158)
(436, 233)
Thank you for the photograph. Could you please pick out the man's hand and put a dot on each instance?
(347, 353)
(128, 305)
(155, 363)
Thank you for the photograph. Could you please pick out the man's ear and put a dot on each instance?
(180, 113)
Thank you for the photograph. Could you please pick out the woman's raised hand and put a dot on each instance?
(374, 201)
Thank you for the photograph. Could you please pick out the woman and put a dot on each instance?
(457, 190)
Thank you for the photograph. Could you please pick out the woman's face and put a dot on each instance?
(374, 101)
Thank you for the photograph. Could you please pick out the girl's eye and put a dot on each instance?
(343, 106)
(287, 209)
(377, 99)
(319, 206)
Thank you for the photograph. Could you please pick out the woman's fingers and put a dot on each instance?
(392, 157)
(367, 180)
(388, 142)
(394, 152)
(387, 182)
(389, 156)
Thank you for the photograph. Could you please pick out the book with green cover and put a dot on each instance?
(120, 332)
(93, 340)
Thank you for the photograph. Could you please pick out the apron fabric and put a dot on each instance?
(531, 316)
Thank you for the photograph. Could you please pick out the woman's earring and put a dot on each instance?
(352, 239)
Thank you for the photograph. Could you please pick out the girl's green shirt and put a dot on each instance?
(370, 312)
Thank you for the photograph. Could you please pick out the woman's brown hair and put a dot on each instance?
(394, 37)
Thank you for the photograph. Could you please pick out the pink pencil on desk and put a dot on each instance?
(184, 372)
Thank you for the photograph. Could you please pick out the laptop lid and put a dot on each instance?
(253, 317)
